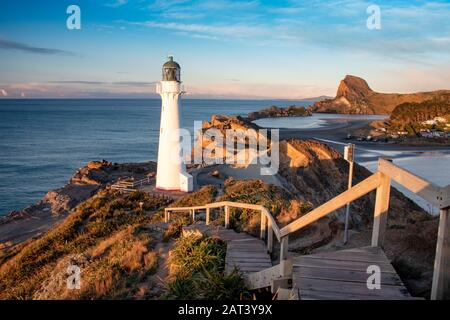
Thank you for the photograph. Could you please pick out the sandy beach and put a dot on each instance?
(335, 131)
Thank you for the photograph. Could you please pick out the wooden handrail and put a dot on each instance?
(357, 191)
(423, 188)
(265, 211)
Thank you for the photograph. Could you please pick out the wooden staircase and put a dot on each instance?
(343, 275)
(337, 275)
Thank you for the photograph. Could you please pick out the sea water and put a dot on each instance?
(43, 142)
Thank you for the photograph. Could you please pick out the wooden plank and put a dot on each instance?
(337, 202)
(344, 275)
(254, 247)
(326, 295)
(254, 258)
(366, 249)
(270, 237)
(284, 248)
(250, 261)
(253, 265)
(354, 288)
(347, 256)
(381, 211)
(227, 217)
(263, 226)
(263, 278)
(441, 274)
(413, 183)
(338, 264)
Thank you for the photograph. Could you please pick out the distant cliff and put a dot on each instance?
(354, 96)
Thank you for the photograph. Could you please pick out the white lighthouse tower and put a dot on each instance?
(171, 173)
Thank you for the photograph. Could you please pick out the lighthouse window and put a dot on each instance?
(171, 74)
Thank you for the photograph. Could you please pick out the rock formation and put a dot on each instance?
(354, 96)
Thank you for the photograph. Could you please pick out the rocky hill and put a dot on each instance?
(412, 112)
(354, 96)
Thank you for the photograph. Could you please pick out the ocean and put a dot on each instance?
(43, 142)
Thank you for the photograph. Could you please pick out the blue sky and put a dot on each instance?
(237, 49)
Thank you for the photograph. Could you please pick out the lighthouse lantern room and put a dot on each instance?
(171, 173)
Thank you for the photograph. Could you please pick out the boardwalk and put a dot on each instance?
(342, 275)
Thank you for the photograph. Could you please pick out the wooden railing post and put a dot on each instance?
(193, 215)
(284, 246)
(269, 236)
(286, 267)
(262, 233)
(207, 216)
(440, 289)
(381, 211)
(227, 216)
(166, 216)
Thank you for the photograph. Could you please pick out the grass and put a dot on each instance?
(278, 201)
(191, 254)
(197, 271)
(204, 195)
(108, 219)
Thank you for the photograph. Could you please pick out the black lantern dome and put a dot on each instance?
(171, 71)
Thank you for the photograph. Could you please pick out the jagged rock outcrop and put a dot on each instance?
(354, 96)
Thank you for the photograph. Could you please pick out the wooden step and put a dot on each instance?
(343, 275)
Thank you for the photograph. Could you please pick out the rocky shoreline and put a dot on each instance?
(56, 205)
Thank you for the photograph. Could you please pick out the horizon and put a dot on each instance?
(290, 50)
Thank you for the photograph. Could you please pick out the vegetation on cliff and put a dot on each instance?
(105, 235)
(275, 111)
(413, 113)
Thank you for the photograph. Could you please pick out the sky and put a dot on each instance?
(252, 49)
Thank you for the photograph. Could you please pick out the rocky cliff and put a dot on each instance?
(354, 96)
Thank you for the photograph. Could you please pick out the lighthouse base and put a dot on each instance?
(186, 184)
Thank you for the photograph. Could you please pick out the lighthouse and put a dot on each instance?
(171, 173)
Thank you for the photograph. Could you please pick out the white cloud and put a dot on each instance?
(237, 89)
(237, 30)
(117, 3)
